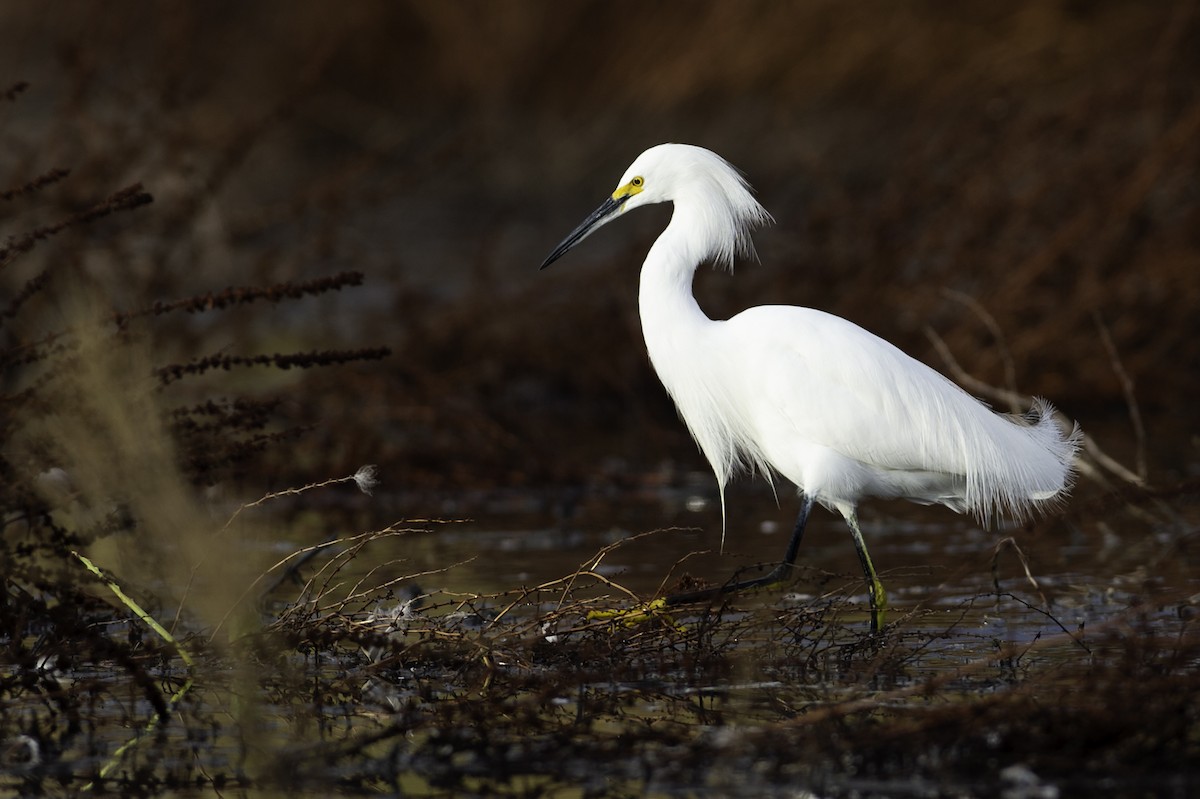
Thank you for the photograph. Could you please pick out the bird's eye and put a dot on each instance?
(636, 182)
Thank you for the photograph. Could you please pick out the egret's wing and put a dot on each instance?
(841, 387)
(825, 381)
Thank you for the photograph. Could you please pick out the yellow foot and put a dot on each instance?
(655, 609)
(775, 585)
(878, 605)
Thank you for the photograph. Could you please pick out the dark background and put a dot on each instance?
(930, 166)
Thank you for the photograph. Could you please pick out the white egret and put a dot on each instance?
(838, 411)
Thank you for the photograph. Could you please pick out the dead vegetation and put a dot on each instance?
(1007, 193)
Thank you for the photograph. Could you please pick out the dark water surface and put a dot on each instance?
(1018, 180)
(705, 702)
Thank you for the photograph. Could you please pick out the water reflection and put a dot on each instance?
(464, 672)
(930, 556)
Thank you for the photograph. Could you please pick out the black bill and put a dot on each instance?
(604, 213)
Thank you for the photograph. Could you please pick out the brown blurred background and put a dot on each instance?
(929, 165)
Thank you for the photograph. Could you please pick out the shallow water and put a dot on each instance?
(693, 703)
(930, 559)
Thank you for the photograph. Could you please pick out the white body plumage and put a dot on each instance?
(838, 411)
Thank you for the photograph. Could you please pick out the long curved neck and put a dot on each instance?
(677, 339)
(669, 312)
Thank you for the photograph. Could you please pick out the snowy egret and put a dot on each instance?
(776, 389)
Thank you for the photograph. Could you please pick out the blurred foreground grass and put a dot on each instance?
(339, 267)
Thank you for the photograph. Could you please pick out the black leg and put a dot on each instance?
(776, 575)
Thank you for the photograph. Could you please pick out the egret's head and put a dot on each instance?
(723, 210)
